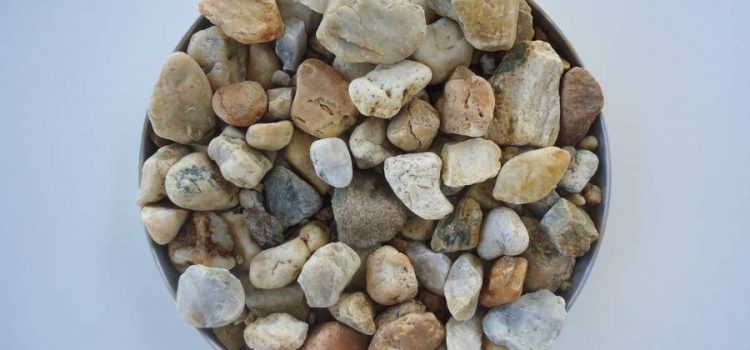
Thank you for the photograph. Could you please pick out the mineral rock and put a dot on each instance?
(332, 162)
(505, 282)
(415, 179)
(463, 285)
(443, 49)
(239, 164)
(204, 239)
(276, 332)
(222, 59)
(355, 310)
(289, 198)
(569, 228)
(155, 170)
(414, 127)
(488, 25)
(525, 28)
(466, 105)
(368, 143)
(279, 266)
(390, 276)
(270, 136)
(264, 228)
(241, 104)
(547, 269)
(415, 331)
(469, 162)
(296, 9)
(540, 207)
(460, 229)
(503, 233)
(581, 102)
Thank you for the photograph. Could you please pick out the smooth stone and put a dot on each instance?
(415, 179)
(241, 104)
(250, 199)
(576, 198)
(280, 103)
(328, 271)
(276, 332)
(414, 127)
(530, 323)
(505, 283)
(525, 25)
(351, 71)
(464, 335)
(592, 194)
(296, 9)
(355, 310)
(154, 172)
(390, 276)
(527, 98)
(315, 235)
(581, 101)
(469, 162)
(238, 163)
(444, 48)
(482, 193)
(463, 285)
(430, 267)
(531, 176)
(264, 228)
(367, 212)
(415, 331)
(247, 21)
(279, 266)
(297, 154)
(222, 59)
(231, 336)
(262, 63)
(418, 229)
(582, 168)
(195, 183)
(569, 228)
(322, 107)
(209, 297)
(281, 78)
(397, 311)
(488, 25)
(466, 105)
(429, 14)
(332, 162)
(540, 207)
(503, 233)
(382, 92)
(460, 229)
(334, 335)
(245, 247)
(292, 45)
(289, 198)
(263, 302)
(270, 136)
(547, 269)
(203, 239)
(590, 143)
(368, 143)
(180, 106)
(317, 50)
(163, 223)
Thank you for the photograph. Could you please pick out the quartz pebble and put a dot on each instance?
(154, 172)
(546, 269)
(368, 143)
(466, 105)
(418, 229)
(270, 136)
(249, 22)
(415, 331)
(530, 176)
(488, 25)
(264, 228)
(463, 285)
(250, 199)
(460, 229)
(505, 282)
(195, 183)
(415, 179)
(334, 335)
(245, 247)
(569, 228)
(276, 332)
(327, 273)
(503, 233)
(396, 311)
(464, 335)
(315, 235)
(222, 59)
(279, 266)
(532, 322)
(382, 92)
(209, 297)
(581, 101)
(430, 267)
(582, 167)
(203, 239)
(390, 276)
(262, 63)
(332, 162)
(163, 223)
(444, 48)
(297, 154)
(292, 45)
(289, 198)
(238, 163)
(241, 104)
(280, 103)
(355, 310)
(352, 71)
(414, 127)
(469, 162)
(263, 302)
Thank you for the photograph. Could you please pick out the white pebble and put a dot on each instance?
(332, 162)
(209, 297)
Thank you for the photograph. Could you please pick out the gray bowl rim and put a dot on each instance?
(584, 264)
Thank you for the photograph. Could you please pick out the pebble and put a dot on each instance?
(503, 233)
(530, 176)
(355, 310)
(332, 162)
(263, 302)
(203, 239)
(317, 50)
(264, 228)
(209, 297)
(469, 162)
(276, 332)
(154, 172)
(245, 247)
(289, 198)
(279, 266)
(582, 168)
(281, 78)
(328, 271)
(460, 229)
(368, 143)
(434, 303)
(547, 269)
(525, 26)
(505, 283)
(532, 322)
(488, 63)
(241, 104)
(581, 102)
(239, 164)
(382, 92)
(444, 48)
(230, 336)
(430, 267)
(248, 22)
(592, 194)
(488, 25)
(390, 276)
(322, 107)
(250, 199)
(222, 59)
(397, 311)
(415, 179)
(526, 84)
(296, 9)
(367, 212)
(163, 223)
(576, 198)
(315, 235)
(270, 136)
(482, 193)
(262, 63)
(351, 71)
(540, 207)
(292, 45)
(415, 331)
(334, 335)
(463, 285)
(180, 106)
(590, 143)
(464, 335)
(297, 154)
(418, 229)
(414, 127)
(466, 105)
(280, 103)
(569, 228)
(363, 31)
(195, 183)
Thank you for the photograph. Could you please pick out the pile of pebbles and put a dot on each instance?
(372, 174)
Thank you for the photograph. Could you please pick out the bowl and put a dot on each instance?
(598, 214)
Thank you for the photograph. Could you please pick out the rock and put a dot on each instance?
(209, 297)
(488, 25)
(162, 222)
(264, 228)
(488, 345)
(466, 105)
(315, 235)
(505, 282)
(482, 193)
(249, 22)
(569, 228)
(327, 273)
(368, 143)
(180, 107)
(382, 92)
(576, 198)
(276, 332)
(390, 276)
(359, 281)
(464, 335)
(488, 63)
(463, 285)
(296, 9)
(443, 49)
(540, 207)
(418, 229)
(363, 31)
(532, 322)
(582, 168)
(245, 247)
(547, 269)
(281, 78)
(409, 332)
(194, 183)
(526, 87)
(367, 212)
(355, 310)
(351, 71)
(289, 198)
(460, 229)
(297, 154)
(262, 63)
(434, 303)
(241, 104)
(414, 127)
(270, 136)
(230, 336)
(525, 25)
(263, 302)
(280, 103)
(503, 233)
(469, 162)
(321, 106)
(431, 268)
(397, 311)
(278, 266)
(239, 164)
(592, 194)
(292, 45)
(443, 8)
(581, 102)
(317, 50)
(530, 176)
(222, 59)
(415, 179)
(250, 199)
(155, 170)
(334, 335)
(204, 239)
(332, 162)
(590, 143)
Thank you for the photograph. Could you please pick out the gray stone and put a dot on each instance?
(292, 45)
(155, 170)
(264, 228)
(281, 78)
(276, 332)
(328, 271)
(547, 268)
(332, 162)
(280, 103)
(195, 183)
(503, 233)
(488, 63)
(530, 323)
(204, 239)
(296, 9)
(239, 163)
(382, 92)
(569, 228)
(209, 297)
(464, 335)
(540, 207)
(460, 229)
(582, 168)
(463, 285)
(279, 266)
(289, 198)
(415, 179)
(222, 59)
(431, 267)
(443, 49)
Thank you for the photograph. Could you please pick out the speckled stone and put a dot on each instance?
(289, 198)
(209, 297)
(240, 164)
(460, 229)
(415, 179)
(276, 332)
(222, 59)
(204, 239)
(390, 276)
(195, 183)
(416, 331)
(154, 172)
(382, 92)
(264, 228)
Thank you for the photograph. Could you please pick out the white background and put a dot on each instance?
(76, 271)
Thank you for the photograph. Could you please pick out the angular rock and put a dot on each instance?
(503, 233)
(464, 335)
(289, 198)
(297, 154)
(315, 235)
(532, 322)
(415, 179)
(264, 228)
(280, 103)
(540, 207)
(414, 127)
(155, 170)
(469, 162)
(263, 302)
(245, 247)
(162, 222)
(261, 64)
(582, 168)
(239, 164)
(531, 176)
(334, 335)
(222, 59)
(488, 25)
(463, 285)
(270, 136)
(368, 143)
(247, 21)
(390, 276)
(351, 71)
(204, 239)
(327, 273)
(276, 332)
(460, 229)
(397, 311)
(418, 229)
(430, 267)
(355, 310)
(292, 45)
(525, 26)
(443, 49)
(581, 102)
(278, 266)
(547, 269)
(569, 228)
(195, 183)
(505, 282)
(382, 92)
(209, 297)
(467, 104)
(332, 162)
(241, 104)
(410, 332)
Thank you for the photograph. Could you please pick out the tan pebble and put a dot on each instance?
(592, 194)
(315, 235)
(395, 312)
(279, 266)
(262, 63)
(590, 143)
(488, 26)
(469, 162)
(276, 332)
(247, 21)
(415, 331)
(196, 183)
(368, 143)
(154, 172)
(576, 198)
(163, 223)
(355, 310)
(414, 127)
(297, 154)
(231, 336)
(241, 104)
(505, 282)
(531, 176)
(270, 136)
(466, 105)
(390, 276)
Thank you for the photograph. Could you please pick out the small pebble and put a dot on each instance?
(592, 194)
(163, 223)
(222, 59)
(292, 45)
(248, 22)
(276, 332)
(415, 179)
(464, 335)
(530, 176)
(262, 63)
(245, 247)
(415, 331)
(209, 297)
(231, 336)
(279, 266)
(418, 229)
(264, 228)
(466, 106)
(590, 143)
(382, 92)
(289, 198)
(582, 168)
(238, 163)
(296, 9)
(297, 154)
(569, 228)
(333, 335)
(505, 282)
(270, 136)
(280, 103)
(547, 269)
(154, 172)
(482, 193)
(390, 276)
(430, 267)
(352, 71)
(530, 323)
(203, 239)
(443, 49)
(469, 162)
(581, 101)
(195, 183)
(414, 127)
(460, 229)
(368, 143)
(396, 311)
(488, 61)
(576, 198)
(503, 233)
(332, 162)
(327, 273)
(463, 285)
(355, 310)
(315, 235)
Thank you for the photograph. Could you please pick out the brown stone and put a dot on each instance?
(460, 229)
(334, 335)
(241, 104)
(434, 303)
(297, 154)
(504, 284)
(416, 331)
(466, 105)
(397, 311)
(581, 101)
(247, 21)
(262, 63)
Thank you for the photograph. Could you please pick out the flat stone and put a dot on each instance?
(469, 162)
(332, 162)
(262, 63)
(466, 105)
(415, 179)
(209, 297)
(418, 229)
(430, 267)
(180, 107)
(264, 302)
(581, 102)
(582, 168)
(390, 276)
(315, 235)
(162, 222)
(276, 332)
(238, 163)
(382, 92)
(368, 143)
(195, 183)
(245, 247)
(334, 335)
(297, 154)
(280, 103)
(249, 22)
(327, 273)
(463, 285)
(505, 283)
(241, 104)
(289, 198)
(264, 228)
(203, 239)
(569, 228)
(222, 59)
(292, 45)
(279, 266)
(444, 48)
(397, 311)
(488, 25)
(532, 322)
(460, 229)
(355, 310)
(414, 127)
(525, 26)
(296, 9)
(531, 176)
(547, 269)
(351, 71)
(464, 335)
(540, 207)
(270, 136)
(526, 85)
(503, 233)
(154, 172)
(415, 331)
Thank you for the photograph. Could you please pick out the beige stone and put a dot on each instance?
(245, 247)
(414, 127)
(315, 235)
(327, 273)
(154, 172)
(530, 176)
(416, 331)
(162, 222)
(241, 104)
(204, 239)
(525, 28)
(280, 103)
(390, 276)
(247, 21)
(467, 104)
(279, 266)
(355, 310)
(382, 92)
(223, 59)
(463, 285)
(415, 179)
(262, 63)
(368, 143)
(276, 332)
(238, 163)
(333, 335)
(469, 162)
(443, 49)
(270, 136)
(488, 25)
(195, 183)
(505, 282)
(396, 311)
